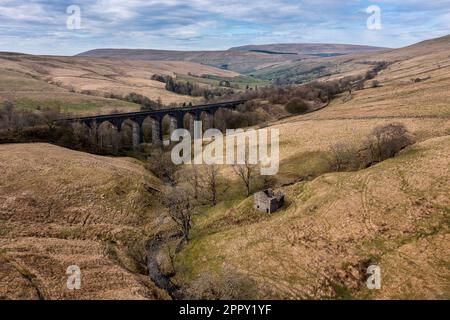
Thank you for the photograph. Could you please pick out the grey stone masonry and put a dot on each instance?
(267, 201)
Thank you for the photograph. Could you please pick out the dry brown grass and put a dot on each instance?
(33, 81)
(395, 214)
(335, 225)
(60, 208)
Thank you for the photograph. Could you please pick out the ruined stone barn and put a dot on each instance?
(267, 201)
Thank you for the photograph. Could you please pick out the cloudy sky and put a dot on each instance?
(41, 26)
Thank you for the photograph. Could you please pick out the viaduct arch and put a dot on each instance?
(176, 116)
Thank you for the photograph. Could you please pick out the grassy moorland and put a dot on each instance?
(69, 208)
(394, 213)
(90, 85)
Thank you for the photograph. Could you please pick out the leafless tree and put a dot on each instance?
(7, 116)
(49, 116)
(194, 178)
(246, 172)
(161, 165)
(344, 156)
(211, 183)
(180, 204)
(386, 140)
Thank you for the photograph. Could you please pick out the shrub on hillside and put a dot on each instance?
(297, 106)
(160, 78)
(386, 141)
(230, 285)
(146, 103)
(375, 84)
(345, 157)
(228, 119)
(382, 143)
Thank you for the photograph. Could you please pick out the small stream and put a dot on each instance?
(160, 280)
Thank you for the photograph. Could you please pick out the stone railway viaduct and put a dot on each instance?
(176, 117)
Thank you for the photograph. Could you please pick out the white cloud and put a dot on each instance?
(214, 24)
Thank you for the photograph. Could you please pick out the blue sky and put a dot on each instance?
(39, 26)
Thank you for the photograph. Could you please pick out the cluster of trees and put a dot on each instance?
(302, 76)
(23, 125)
(145, 102)
(239, 118)
(300, 99)
(295, 99)
(379, 66)
(191, 89)
(371, 74)
(382, 143)
(19, 125)
(160, 78)
(297, 106)
(315, 91)
(199, 186)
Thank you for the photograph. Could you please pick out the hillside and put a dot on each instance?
(245, 59)
(71, 208)
(242, 62)
(394, 214)
(315, 49)
(84, 85)
(356, 62)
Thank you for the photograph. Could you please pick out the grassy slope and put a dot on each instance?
(241, 62)
(304, 70)
(395, 214)
(27, 92)
(32, 81)
(244, 59)
(60, 208)
(240, 82)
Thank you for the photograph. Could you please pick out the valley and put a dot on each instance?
(59, 205)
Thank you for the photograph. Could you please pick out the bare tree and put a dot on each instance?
(246, 172)
(180, 204)
(49, 116)
(386, 140)
(161, 165)
(211, 183)
(194, 178)
(7, 115)
(383, 142)
(344, 156)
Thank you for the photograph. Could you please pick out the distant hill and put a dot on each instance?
(351, 63)
(242, 61)
(88, 85)
(309, 48)
(246, 59)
